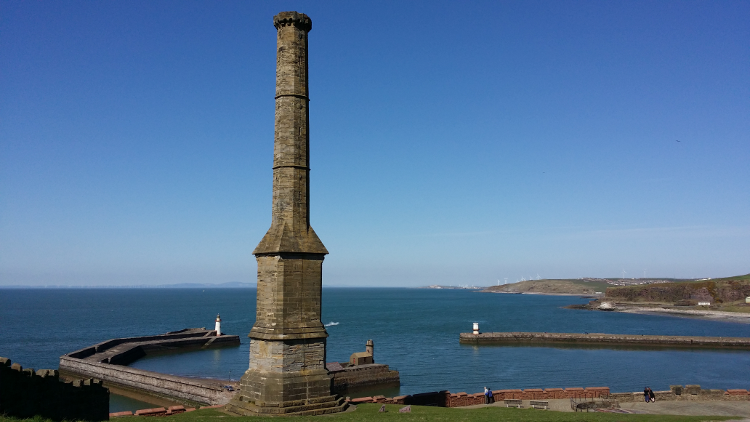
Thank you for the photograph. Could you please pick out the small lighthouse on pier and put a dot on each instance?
(218, 325)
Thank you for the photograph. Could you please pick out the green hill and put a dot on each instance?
(552, 286)
(727, 291)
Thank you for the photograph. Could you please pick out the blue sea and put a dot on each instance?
(414, 330)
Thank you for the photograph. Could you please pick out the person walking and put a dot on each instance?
(646, 395)
(651, 395)
(486, 396)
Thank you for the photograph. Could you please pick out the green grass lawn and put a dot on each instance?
(369, 412)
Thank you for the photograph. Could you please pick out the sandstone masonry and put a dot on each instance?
(287, 373)
(347, 379)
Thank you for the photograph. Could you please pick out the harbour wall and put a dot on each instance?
(105, 361)
(160, 385)
(25, 393)
(530, 338)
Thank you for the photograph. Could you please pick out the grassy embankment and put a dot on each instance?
(552, 286)
(369, 412)
(725, 294)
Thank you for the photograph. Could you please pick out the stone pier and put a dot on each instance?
(287, 372)
(604, 340)
(108, 362)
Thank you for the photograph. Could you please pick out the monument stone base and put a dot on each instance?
(318, 406)
(286, 377)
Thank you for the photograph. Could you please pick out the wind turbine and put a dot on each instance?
(623, 273)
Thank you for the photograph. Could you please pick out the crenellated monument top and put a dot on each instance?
(300, 20)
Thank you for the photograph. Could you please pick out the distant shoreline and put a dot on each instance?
(685, 313)
(585, 295)
(739, 317)
(661, 310)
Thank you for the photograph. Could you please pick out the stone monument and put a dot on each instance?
(287, 373)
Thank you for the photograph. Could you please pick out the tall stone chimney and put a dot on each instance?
(287, 373)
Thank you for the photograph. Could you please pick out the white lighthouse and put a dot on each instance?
(218, 325)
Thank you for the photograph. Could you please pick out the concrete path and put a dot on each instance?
(741, 409)
(559, 405)
(692, 408)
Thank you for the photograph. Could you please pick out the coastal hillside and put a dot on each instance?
(716, 291)
(552, 286)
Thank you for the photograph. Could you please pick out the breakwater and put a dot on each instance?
(587, 339)
(105, 361)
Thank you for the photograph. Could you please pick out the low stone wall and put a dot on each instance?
(160, 411)
(605, 339)
(448, 399)
(434, 398)
(25, 393)
(686, 393)
(353, 377)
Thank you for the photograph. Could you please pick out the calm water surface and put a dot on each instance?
(414, 330)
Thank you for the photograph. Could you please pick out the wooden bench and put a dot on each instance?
(539, 404)
(513, 403)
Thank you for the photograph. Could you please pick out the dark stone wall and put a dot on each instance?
(25, 393)
(363, 375)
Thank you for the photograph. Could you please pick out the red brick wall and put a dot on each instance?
(448, 399)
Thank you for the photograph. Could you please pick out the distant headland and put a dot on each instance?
(576, 286)
(725, 298)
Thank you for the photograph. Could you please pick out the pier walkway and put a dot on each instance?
(603, 340)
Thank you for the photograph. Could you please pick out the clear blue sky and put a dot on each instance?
(452, 142)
